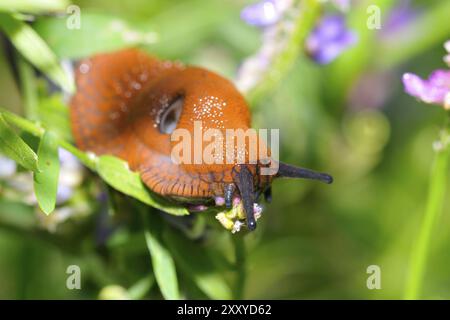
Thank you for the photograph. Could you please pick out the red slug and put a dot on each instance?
(128, 104)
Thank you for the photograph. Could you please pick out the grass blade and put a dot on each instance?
(163, 264)
(35, 50)
(46, 181)
(12, 146)
(435, 204)
(195, 262)
(33, 6)
(117, 174)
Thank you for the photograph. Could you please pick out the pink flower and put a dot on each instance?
(265, 13)
(435, 90)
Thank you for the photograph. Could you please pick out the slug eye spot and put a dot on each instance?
(170, 116)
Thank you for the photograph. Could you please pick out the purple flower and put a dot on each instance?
(63, 194)
(435, 90)
(398, 18)
(264, 13)
(329, 39)
(220, 201)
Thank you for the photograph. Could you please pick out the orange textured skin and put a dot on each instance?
(116, 107)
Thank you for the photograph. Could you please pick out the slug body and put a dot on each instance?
(129, 104)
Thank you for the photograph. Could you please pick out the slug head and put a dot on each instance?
(205, 124)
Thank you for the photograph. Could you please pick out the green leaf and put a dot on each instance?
(54, 116)
(35, 50)
(113, 170)
(196, 262)
(111, 33)
(163, 265)
(140, 288)
(33, 6)
(117, 174)
(46, 181)
(12, 146)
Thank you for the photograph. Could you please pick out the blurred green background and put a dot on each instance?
(350, 118)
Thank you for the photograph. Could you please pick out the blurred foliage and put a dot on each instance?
(313, 241)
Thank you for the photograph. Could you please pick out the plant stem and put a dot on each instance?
(240, 264)
(37, 130)
(28, 88)
(435, 203)
(281, 64)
